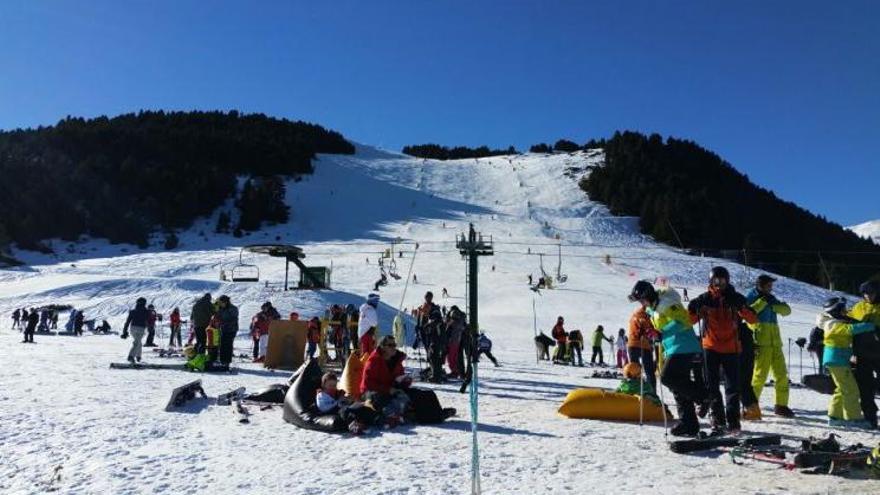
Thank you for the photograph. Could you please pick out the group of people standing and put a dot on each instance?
(738, 340)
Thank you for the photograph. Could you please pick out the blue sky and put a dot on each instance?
(787, 91)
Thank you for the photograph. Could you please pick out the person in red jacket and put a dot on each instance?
(260, 335)
(561, 337)
(174, 322)
(383, 381)
(314, 336)
(719, 312)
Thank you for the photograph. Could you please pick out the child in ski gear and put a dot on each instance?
(839, 333)
(633, 384)
(313, 336)
(455, 329)
(598, 337)
(720, 310)
(621, 348)
(576, 346)
(331, 400)
(639, 344)
(212, 339)
(866, 349)
(561, 337)
(260, 334)
(768, 343)
(383, 381)
(681, 348)
(484, 346)
(151, 326)
(174, 322)
(137, 323)
(368, 324)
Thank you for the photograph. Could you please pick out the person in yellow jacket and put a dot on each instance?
(843, 410)
(768, 346)
(867, 348)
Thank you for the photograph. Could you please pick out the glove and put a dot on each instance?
(124, 335)
(404, 381)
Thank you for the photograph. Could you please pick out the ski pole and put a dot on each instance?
(788, 364)
(663, 408)
(641, 396)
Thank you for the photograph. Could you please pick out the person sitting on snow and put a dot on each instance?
(383, 382)
(331, 400)
(634, 384)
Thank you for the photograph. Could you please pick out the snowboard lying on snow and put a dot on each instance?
(184, 393)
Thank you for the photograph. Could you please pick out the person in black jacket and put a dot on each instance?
(32, 320)
(137, 323)
(201, 315)
(228, 314)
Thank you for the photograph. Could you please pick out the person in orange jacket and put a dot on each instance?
(314, 336)
(174, 321)
(640, 335)
(719, 311)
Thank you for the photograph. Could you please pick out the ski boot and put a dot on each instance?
(783, 411)
(683, 429)
(753, 413)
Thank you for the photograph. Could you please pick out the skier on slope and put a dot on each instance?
(840, 332)
(866, 348)
(768, 345)
(720, 309)
(598, 337)
(681, 348)
(31, 326)
(137, 323)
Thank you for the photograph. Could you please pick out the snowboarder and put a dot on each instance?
(137, 323)
(640, 344)
(104, 328)
(368, 324)
(681, 347)
(199, 319)
(174, 323)
(16, 316)
(32, 320)
(561, 337)
(151, 326)
(768, 354)
(598, 337)
(445, 293)
(484, 346)
(415, 279)
(228, 315)
(840, 330)
(866, 348)
(720, 310)
(621, 348)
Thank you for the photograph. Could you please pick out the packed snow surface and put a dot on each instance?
(72, 425)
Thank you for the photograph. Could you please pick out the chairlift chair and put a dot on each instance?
(560, 277)
(244, 272)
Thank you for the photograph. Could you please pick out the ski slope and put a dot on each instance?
(868, 230)
(105, 431)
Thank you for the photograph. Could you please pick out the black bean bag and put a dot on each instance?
(426, 407)
(299, 403)
(273, 394)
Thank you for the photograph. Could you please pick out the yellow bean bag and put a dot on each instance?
(351, 376)
(597, 403)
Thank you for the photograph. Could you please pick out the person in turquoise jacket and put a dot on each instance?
(768, 343)
(680, 347)
(844, 408)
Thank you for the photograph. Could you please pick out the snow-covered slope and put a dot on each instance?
(869, 230)
(107, 431)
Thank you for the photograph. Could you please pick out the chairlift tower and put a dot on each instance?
(472, 246)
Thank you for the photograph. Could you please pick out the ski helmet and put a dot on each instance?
(141, 301)
(719, 272)
(632, 371)
(834, 306)
(764, 279)
(643, 290)
(870, 288)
